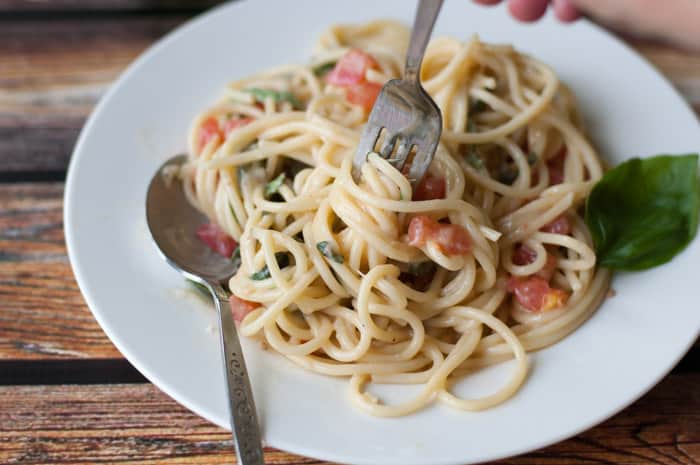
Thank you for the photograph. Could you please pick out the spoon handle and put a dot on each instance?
(244, 420)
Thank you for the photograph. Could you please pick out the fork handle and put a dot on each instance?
(426, 14)
(244, 420)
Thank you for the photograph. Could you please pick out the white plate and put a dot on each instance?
(632, 341)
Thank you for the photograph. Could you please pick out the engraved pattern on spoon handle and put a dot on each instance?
(244, 420)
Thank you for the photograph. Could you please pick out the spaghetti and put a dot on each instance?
(487, 259)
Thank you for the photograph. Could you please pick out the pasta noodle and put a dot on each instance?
(331, 273)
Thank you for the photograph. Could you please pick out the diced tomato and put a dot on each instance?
(235, 123)
(363, 94)
(216, 239)
(429, 188)
(523, 255)
(420, 228)
(451, 239)
(555, 166)
(240, 308)
(208, 131)
(534, 293)
(350, 72)
(560, 225)
(351, 68)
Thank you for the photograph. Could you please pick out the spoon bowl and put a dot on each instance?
(173, 223)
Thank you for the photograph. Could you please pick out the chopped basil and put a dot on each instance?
(236, 258)
(282, 259)
(421, 268)
(327, 251)
(233, 213)
(477, 106)
(507, 174)
(261, 95)
(532, 158)
(324, 68)
(644, 212)
(273, 186)
(471, 126)
(474, 159)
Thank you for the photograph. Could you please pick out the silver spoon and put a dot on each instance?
(173, 223)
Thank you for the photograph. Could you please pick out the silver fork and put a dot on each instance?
(409, 118)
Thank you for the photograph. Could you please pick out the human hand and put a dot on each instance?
(671, 20)
(532, 10)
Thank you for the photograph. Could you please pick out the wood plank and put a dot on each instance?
(137, 424)
(42, 312)
(52, 71)
(81, 6)
(51, 371)
(682, 68)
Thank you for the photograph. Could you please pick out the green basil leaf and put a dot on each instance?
(477, 106)
(273, 186)
(421, 268)
(327, 251)
(474, 159)
(282, 259)
(236, 258)
(507, 174)
(532, 158)
(233, 213)
(324, 68)
(261, 95)
(644, 211)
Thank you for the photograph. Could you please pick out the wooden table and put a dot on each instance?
(66, 394)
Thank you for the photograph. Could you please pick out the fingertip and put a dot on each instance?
(487, 2)
(528, 10)
(565, 11)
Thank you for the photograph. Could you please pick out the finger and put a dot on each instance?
(565, 10)
(528, 10)
(488, 2)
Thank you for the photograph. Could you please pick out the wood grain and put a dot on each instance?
(137, 424)
(81, 6)
(682, 68)
(53, 71)
(42, 312)
(57, 58)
